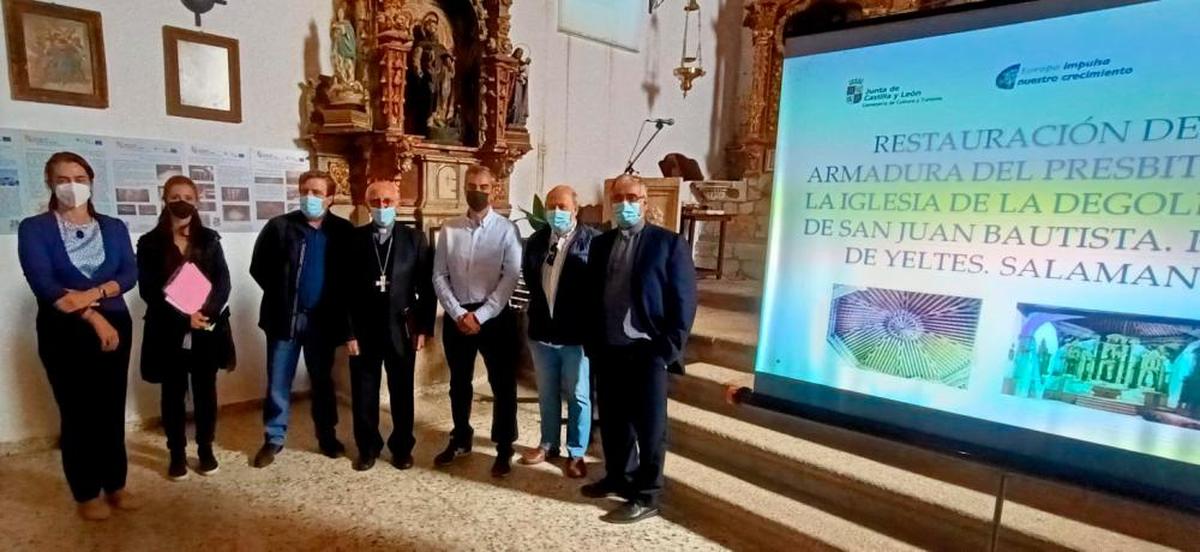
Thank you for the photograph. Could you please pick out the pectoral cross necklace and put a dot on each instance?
(382, 282)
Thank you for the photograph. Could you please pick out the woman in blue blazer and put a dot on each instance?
(79, 264)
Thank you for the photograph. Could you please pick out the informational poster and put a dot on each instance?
(223, 175)
(1001, 224)
(139, 168)
(23, 157)
(277, 180)
(240, 187)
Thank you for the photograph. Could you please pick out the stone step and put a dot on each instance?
(724, 338)
(732, 295)
(709, 386)
(743, 516)
(875, 495)
(911, 507)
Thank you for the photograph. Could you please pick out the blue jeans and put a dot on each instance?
(282, 358)
(562, 370)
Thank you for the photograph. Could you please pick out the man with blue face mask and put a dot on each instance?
(298, 264)
(555, 269)
(392, 310)
(644, 302)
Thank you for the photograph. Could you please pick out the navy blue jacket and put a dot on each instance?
(276, 265)
(50, 273)
(567, 326)
(663, 287)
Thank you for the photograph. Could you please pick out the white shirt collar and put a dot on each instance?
(484, 221)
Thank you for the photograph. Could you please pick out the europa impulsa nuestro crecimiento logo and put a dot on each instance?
(854, 91)
(1007, 79)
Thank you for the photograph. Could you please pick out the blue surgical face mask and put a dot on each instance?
(383, 217)
(559, 220)
(313, 206)
(627, 214)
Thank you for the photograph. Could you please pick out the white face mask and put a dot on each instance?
(72, 194)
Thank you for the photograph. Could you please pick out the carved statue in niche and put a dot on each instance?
(518, 100)
(346, 89)
(434, 72)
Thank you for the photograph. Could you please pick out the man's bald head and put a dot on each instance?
(383, 193)
(562, 197)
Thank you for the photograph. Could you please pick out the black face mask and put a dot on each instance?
(181, 209)
(477, 200)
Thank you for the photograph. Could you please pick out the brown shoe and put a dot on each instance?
(533, 456)
(124, 500)
(576, 468)
(95, 510)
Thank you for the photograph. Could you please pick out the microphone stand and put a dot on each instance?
(658, 127)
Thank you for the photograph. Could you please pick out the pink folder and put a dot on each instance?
(188, 289)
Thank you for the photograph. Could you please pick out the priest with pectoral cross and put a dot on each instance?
(392, 310)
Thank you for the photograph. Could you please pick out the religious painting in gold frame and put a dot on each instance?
(203, 75)
(55, 54)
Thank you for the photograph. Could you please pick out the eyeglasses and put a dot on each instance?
(553, 254)
(621, 198)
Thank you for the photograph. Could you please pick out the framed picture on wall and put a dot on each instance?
(203, 73)
(55, 54)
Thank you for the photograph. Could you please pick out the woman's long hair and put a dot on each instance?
(69, 157)
(195, 225)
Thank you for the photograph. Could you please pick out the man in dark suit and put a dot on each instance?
(644, 286)
(392, 309)
(555, 268)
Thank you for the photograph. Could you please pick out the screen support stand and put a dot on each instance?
(999, 513)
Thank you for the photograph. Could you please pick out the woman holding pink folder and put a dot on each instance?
(184, 280)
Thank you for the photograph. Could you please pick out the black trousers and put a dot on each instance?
(174, 400)
(497, 342)
(89, 387)
(632, 395)
(365, 375)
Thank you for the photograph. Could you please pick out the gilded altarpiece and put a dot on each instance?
(421, 90)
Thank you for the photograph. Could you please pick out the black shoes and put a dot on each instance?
(178, 469)
(453, 451)
(208, 462)
(600, 489)
(503, 465)
(366, 461)
(332, 448)
(266, 455)
(630, 512)
(403, 463)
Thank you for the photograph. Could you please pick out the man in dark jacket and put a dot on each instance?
(297, 263)
(392, 308)
(555, 269)
(644, 302)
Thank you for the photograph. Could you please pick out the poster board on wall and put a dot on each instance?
(241, 187)
(618, 23)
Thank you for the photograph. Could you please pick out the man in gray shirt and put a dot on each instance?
(475, 270)
(640, 324)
